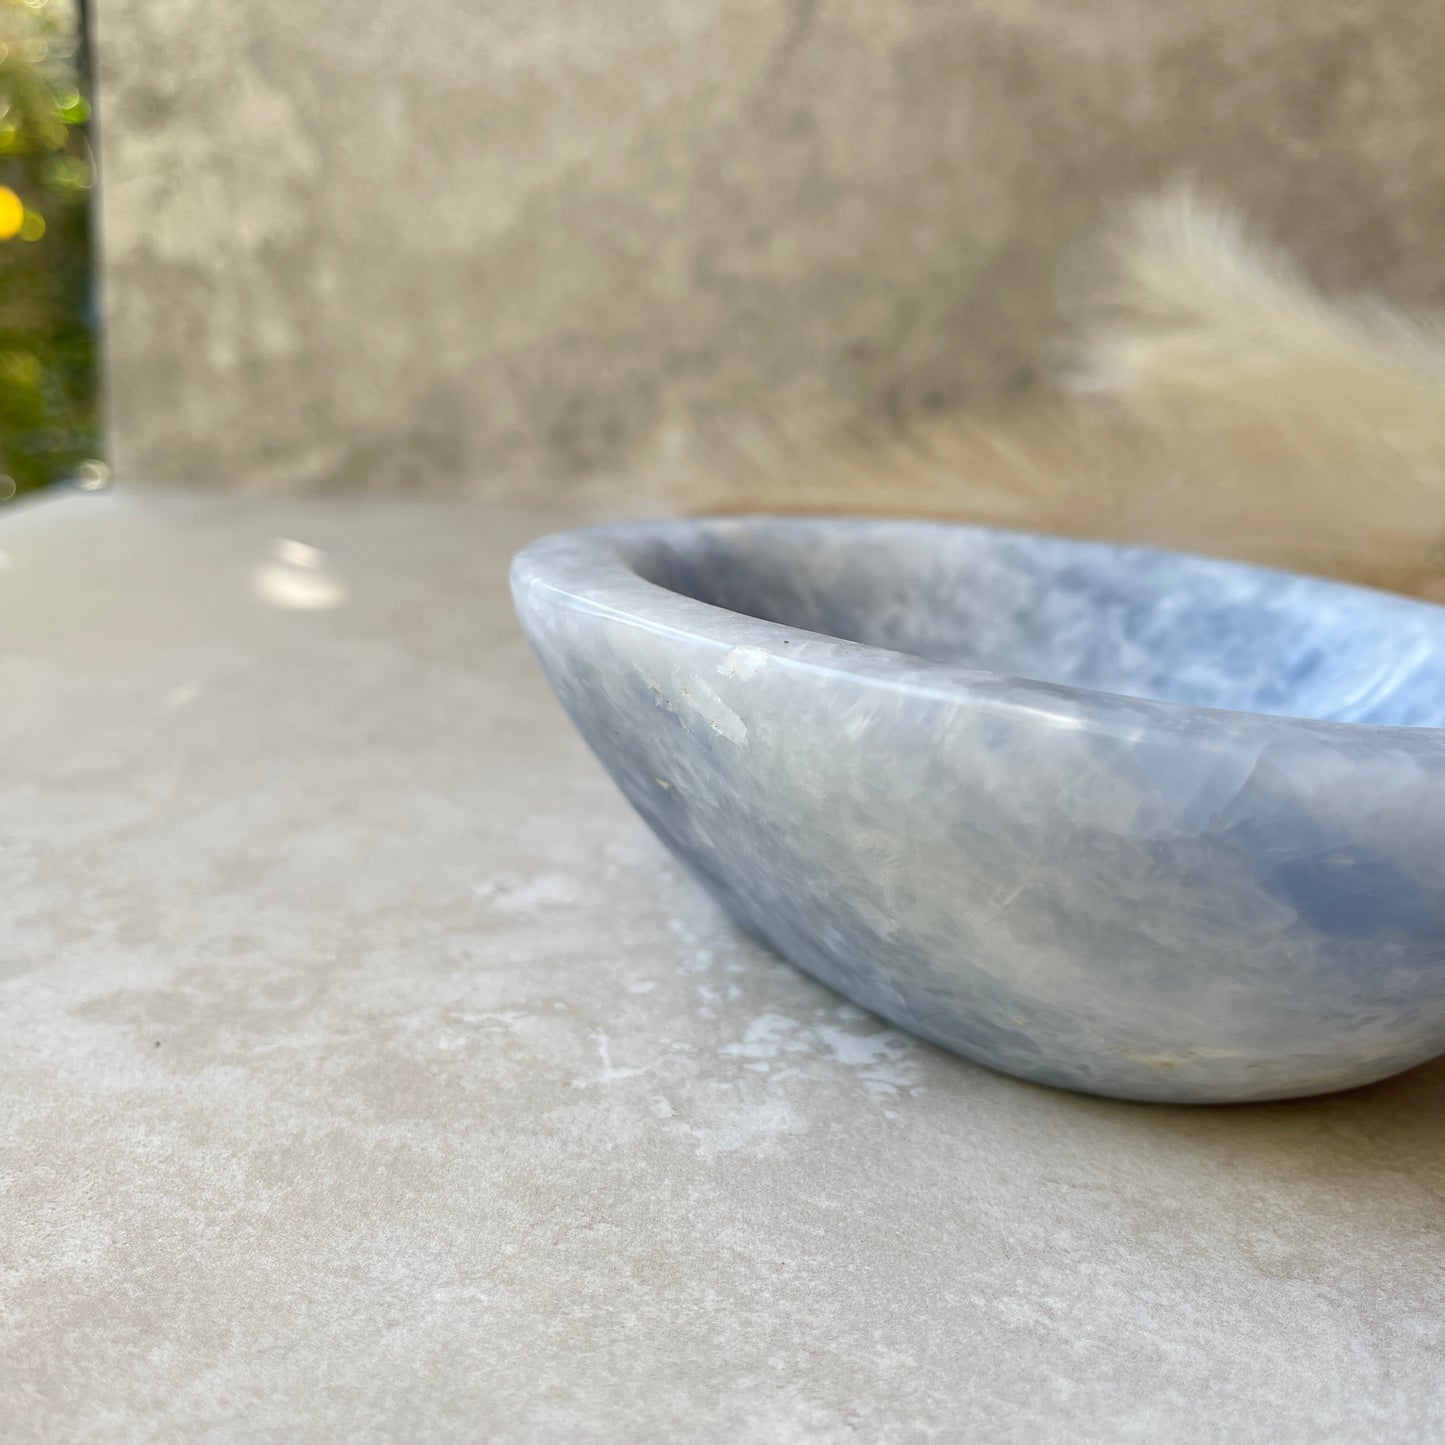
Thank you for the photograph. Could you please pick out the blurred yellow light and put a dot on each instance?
(32, 228)
(12, 213)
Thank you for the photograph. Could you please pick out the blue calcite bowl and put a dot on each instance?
(1113, 819)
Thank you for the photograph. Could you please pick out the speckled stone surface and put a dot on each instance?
(371, 1074)
(1125, 821)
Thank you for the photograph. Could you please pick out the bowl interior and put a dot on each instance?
(1090, 615)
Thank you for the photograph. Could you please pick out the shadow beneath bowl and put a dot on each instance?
(1335, 1151)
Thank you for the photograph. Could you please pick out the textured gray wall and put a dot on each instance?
(530, 242)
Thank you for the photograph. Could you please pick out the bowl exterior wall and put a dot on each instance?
(1163, 904)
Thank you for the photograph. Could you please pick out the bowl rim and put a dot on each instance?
(586, 568)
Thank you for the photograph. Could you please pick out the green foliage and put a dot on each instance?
(48, 421)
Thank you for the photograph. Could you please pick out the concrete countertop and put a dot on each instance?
(371, 1074)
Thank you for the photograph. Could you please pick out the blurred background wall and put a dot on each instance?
(534, 245)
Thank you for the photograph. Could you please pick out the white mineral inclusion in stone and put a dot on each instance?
(698, 696)
(1114, 819)
(743, 661)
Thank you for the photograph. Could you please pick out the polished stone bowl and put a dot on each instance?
(1119, 820)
